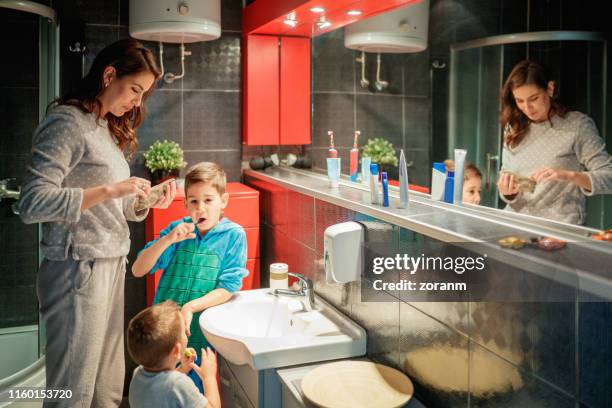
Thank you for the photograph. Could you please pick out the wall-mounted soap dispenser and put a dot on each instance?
(343, 252)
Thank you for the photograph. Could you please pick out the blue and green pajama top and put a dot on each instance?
(194, 267)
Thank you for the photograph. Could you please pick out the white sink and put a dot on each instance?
(266, 331)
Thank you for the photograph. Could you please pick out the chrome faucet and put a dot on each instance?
(5, 192)
(306, 291)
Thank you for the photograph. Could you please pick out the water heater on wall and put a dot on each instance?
(399, 31)
(175, 21)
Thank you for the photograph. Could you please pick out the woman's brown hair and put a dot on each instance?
(128, 57)
(513, 121)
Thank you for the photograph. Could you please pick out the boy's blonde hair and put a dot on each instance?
(470, 169)
(206, 172)
(153, 333)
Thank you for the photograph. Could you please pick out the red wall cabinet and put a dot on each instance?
(260, 124)
(276, 104)
(243, 209)
(294, 90)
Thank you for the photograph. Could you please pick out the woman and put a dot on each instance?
(79, 187)
(562, 151)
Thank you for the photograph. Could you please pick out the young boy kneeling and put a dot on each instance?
(156, 341)
(203, 256)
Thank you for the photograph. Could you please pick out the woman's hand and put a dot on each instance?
(168, 197)
(507, 185)
(130, 186)
(188, 316)
(181, 232)
(549, 174)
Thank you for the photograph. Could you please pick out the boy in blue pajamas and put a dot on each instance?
(203, 256)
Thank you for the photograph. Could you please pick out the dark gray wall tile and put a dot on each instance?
(19, 116)
(539, 337)
(172, 63)
(417, 128)
(435, 357)
(380, 116)
(90, 11)
(420, 170)
(328, 214)
(333, 112)
(595, 351)
(513, 16)
(211, 120)
(97, 37)
(476, 19)
(416, 74)
(391, 71)
(301, 218)
(229, 160)
(163, 120)
(214, 64)
(382, 320)
(19, 41)
(231, 15)
(494, 382)
(333, 65)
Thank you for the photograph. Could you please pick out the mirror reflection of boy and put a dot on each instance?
(203, 256)
(472, 181)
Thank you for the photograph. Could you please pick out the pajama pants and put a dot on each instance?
(81, 303)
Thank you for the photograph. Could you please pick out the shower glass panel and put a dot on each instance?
(478, 69)
(29, 81)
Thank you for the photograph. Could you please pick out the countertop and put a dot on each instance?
(589, 267)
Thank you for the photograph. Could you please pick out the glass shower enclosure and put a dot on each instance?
(29, 82)
(479, 67)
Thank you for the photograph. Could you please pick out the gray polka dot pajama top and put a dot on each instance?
(571, 143)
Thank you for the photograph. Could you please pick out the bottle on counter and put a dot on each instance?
(374, 198)
(279, 276)
(438, 179)
(385, 188)
(449, 187)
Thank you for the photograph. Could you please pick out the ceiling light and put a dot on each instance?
(290, 20)
(323, 24)
(317, 9)
(353, 13)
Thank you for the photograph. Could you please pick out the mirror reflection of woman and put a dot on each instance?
(560, 149)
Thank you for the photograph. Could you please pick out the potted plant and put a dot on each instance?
(381, 152)
(164, 159)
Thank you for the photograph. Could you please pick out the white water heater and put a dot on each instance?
(175, 21)
(402, 30)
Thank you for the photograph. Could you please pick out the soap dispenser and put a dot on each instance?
(343, 252)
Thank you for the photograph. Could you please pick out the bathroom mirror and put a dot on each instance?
(447, 96)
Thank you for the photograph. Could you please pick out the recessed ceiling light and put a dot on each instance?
(323, 24)
(290, 22)
(353, 12)
(317, 9)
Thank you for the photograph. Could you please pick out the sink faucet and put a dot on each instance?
(306, 291)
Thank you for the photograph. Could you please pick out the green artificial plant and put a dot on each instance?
(165, 156)
(381, 151)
